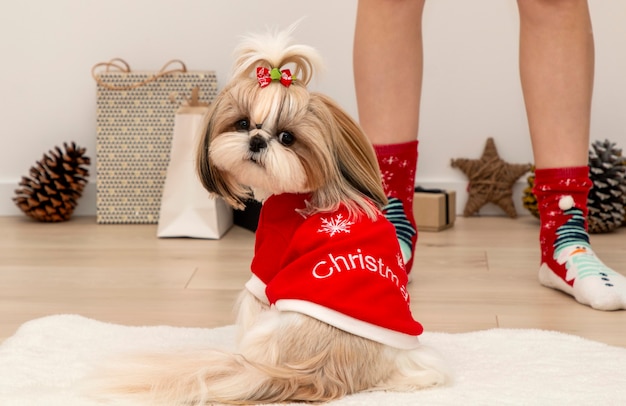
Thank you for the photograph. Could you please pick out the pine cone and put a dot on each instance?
(608, 194)
(529, 200)
(56, 182)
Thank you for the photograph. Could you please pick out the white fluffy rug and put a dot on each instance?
(43, 361)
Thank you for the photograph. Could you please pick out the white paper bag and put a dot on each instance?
(187, 209)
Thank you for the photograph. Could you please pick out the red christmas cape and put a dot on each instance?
(347, 272)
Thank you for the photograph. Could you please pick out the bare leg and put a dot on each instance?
(556, 69)
(388, 68)
(388, 80)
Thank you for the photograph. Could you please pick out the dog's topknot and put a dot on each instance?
(275, 49)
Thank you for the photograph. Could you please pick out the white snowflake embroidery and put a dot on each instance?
(400, 261)
(390, 160)
(335, 225)
(385, 178)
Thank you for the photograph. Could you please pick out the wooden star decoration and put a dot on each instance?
(490, 180)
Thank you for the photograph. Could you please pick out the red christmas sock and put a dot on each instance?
(555, 190)
(567, 261)
(398, 163)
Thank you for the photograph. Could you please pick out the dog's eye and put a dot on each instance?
(242, 125)
(286, 138)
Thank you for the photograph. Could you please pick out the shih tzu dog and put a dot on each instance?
(326, 312)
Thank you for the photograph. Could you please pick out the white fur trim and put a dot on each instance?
(257, 288)
(351, 325)
(566, 202)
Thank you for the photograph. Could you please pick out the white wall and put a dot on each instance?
(471, 86)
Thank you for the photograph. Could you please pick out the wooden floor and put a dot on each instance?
(480, 274)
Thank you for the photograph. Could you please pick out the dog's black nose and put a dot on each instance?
(257, 143)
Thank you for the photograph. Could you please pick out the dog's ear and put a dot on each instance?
(355, 154)
(205, 170)
(212, 178)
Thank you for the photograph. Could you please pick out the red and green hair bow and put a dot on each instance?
(266, 76)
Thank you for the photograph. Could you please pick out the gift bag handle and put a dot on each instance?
(121, 65)
(112, 64)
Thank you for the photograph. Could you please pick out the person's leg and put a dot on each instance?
(388, 82)
(556, 70)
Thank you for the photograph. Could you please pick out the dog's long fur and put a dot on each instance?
(283, 356)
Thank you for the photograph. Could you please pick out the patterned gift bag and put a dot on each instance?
(135, 123)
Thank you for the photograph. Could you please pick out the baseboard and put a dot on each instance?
(87, 203)
(489, 209)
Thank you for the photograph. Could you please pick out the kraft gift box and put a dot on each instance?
(434, 209)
